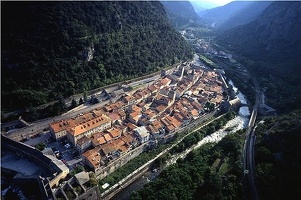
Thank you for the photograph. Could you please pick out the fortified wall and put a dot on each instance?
(49, 163)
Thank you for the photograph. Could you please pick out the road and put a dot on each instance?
(250, 191)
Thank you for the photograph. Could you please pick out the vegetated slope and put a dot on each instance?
(278, 157)
(46, 47)
(235, 13)
(181, 14)
(273, 42)
(276, 32)
(206, 173)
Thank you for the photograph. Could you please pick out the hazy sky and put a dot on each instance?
(221, 2)
(218, 2)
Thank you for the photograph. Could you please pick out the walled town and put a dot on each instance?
(141, 117)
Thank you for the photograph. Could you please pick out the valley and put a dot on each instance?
(151, 100)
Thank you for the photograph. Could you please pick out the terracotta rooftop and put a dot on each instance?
(160, 108)
(98, 139)
(72, 122)
(168, 120)
(152, 88)
(137, 96)
(128, 138)
(84, 127)
(114, 132)
(93, 156)
(107, 148)
(194, 113)
(165, 81)
(107, 137)
(150, 113)
(131, 126)
(114, 116)
(156, 125)
(127, 99)
(101, 140)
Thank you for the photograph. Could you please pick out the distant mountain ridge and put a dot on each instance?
(275, 32)
(234, 13)
(202, 5)
(182, 14)
(270, 47)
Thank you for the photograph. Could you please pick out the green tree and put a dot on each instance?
(40, 146)
(73, 104)
(81, 101)
(85, 96)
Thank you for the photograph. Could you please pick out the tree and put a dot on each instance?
(40, 146)
(81, 101)
(85, 96)
(73, 104)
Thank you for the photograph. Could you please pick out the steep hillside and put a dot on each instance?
(235, 13)
(53, 49)
(276, 32)
(278, 157)
(273, 42)
(181, 14)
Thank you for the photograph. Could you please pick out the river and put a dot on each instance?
(238, 123)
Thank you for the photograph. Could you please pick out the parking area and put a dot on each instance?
(37, 138)
(62, 150)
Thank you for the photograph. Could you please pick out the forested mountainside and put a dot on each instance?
(278, 157)
(272, 42)
(276, 32)
(53, 49)
(182, 14)
(234, 13)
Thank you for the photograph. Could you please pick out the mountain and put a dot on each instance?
(273, 42)
(276, 32)
(55, 49)
(235, 13)
(278, 157)
(181, 14)
(202, 5)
